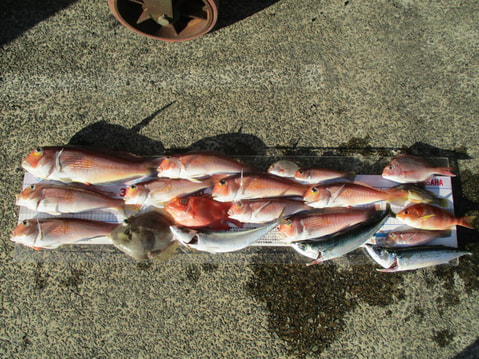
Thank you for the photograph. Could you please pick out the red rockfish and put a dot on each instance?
(425, 216)
(199, 212)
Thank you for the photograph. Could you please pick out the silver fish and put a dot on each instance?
(419, 257)
(337, 245)
(380, 255)
(221, 242)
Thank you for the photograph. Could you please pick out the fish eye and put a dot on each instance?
(406, 211)
(184, 201)
(239, 204)
(24, 222)
(314, 189)
(32, 187)
(38, 150)
(133, 187)
(391, 167)
(300, 171)
(222, 182)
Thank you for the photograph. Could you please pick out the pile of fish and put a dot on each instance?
(210, 202)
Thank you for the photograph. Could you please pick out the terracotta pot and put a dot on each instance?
(168, 20)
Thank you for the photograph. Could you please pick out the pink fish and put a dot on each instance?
(74, 164)
(409, 237)
(283, 168)
(260, 185)
(409, 169)
(345, 194)
(319, 223)
(317, 175)
(201, 164)
(59, 199)
(425, 216)
(265, 210)
(54, 232)
(158, 191)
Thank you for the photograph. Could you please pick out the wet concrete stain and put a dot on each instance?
(307, 305)
(443, 337)
(40, 279)
(72, 280)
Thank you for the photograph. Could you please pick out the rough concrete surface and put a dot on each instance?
(357, 78)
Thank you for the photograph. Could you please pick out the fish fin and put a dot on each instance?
(445, 171)
(58, 165)
(195, 180)
(316, 261)
(469, 222)
(335, 194)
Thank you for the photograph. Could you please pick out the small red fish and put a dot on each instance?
(58, 199)
(200, 212)
(317, 175)
(319, 223)
(54, 232)
(199, 164)
(409, 169)
(283, 168)
(345, 194)
(75, 164)
(265, 210)
(425, 216)
(259, 185)
(158, 191)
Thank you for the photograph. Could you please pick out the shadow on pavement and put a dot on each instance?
(17, 17)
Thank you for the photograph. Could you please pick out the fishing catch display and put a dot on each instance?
(206, 201)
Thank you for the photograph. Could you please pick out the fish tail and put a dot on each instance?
(154, 163)
(443, 202)
(468, 222)
(397, 195)
(445, 171)
(350, 176)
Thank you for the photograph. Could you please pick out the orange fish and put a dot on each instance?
(259, 185)
(408, 169)
(200, 164)
(319, 223)
(317, 175)
(199, 212)
(425, 216)
(345, 194)
(58, 199)
(265, 210)
(158, 191)
(74, 164)
(54, 232)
